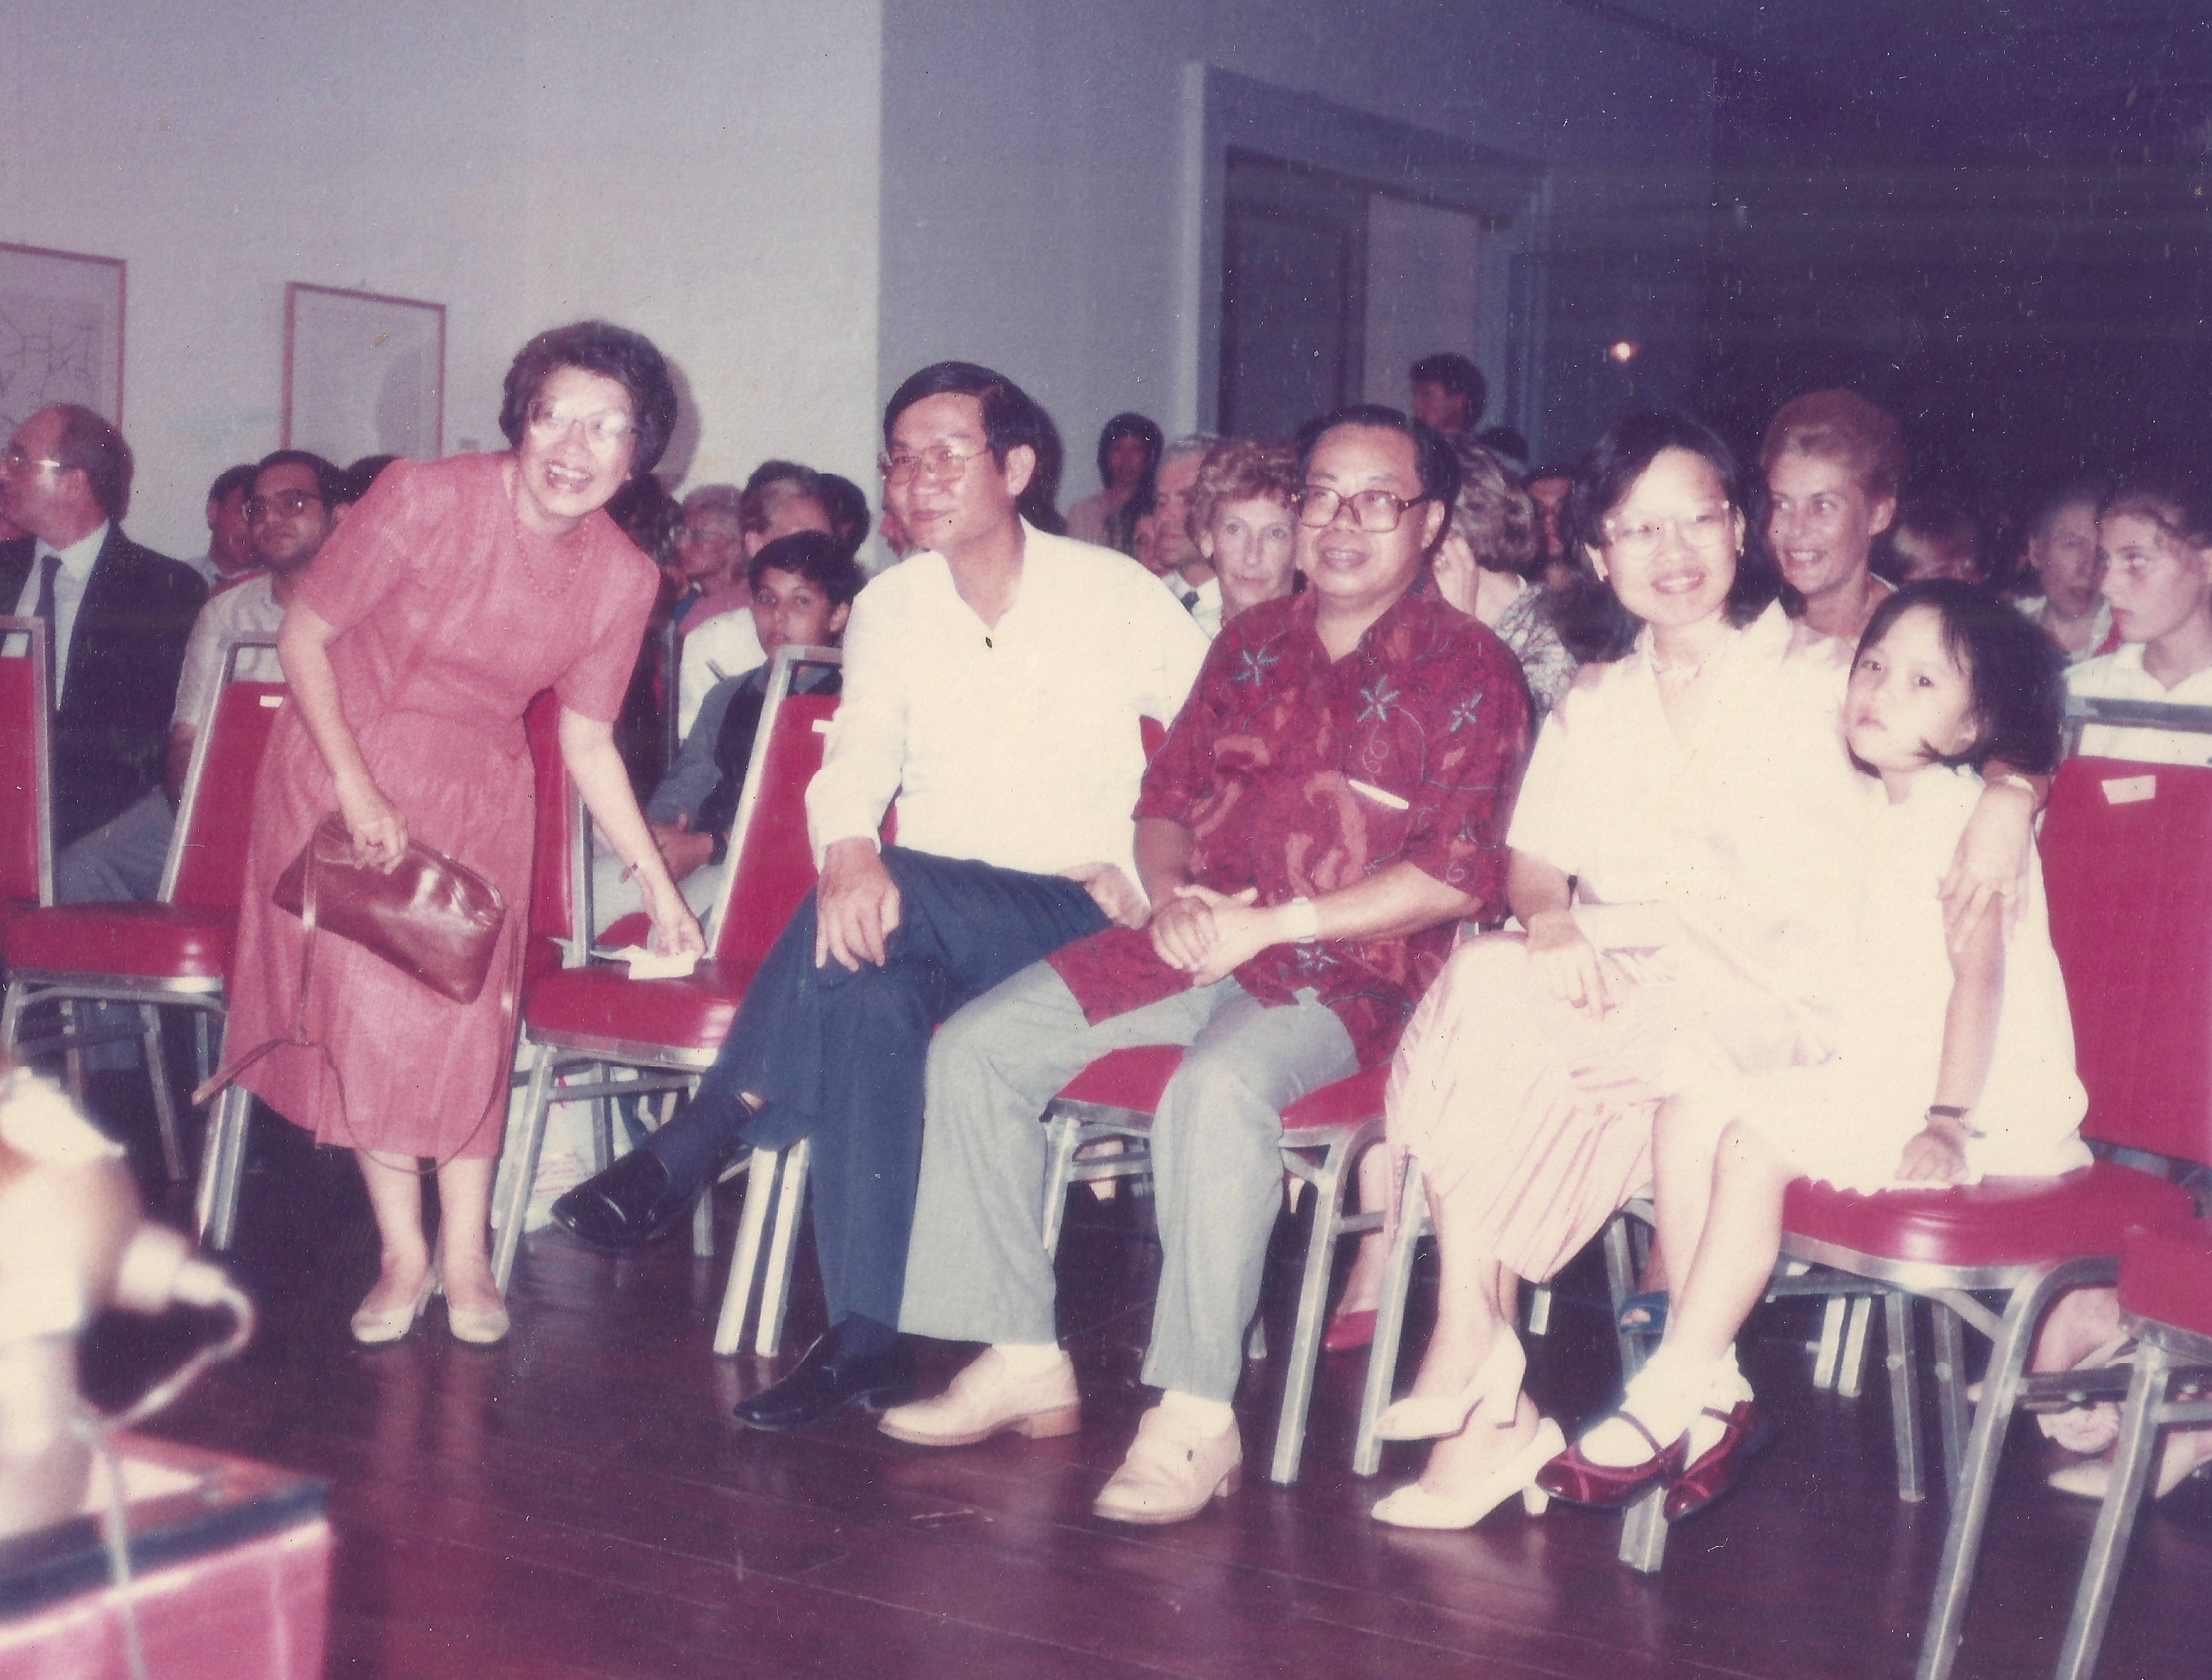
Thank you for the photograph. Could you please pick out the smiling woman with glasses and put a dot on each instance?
(452, 594)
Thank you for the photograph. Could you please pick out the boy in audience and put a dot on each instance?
(1833, 462)
(803, 588)
(780, 498)
(2157, 534)
(295, 500)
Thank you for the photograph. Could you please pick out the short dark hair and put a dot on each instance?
(2174, 498)
(772, 482)
(822, 560)
(89, 444)
(1012, 419)
(364, 471)
(1432, 452)
(2043, 512)
(1458, 375)
(847, 504)
(2015, 673)
(1131, 425)
(1593, 624)
(233, 479)
(630, 359)
(648, 515)
(332, 483)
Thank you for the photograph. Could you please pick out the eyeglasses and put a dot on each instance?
(606, 431)
(286, 504)
(1375, 511)
(942, 463)
(1642, 541)
(14, 458)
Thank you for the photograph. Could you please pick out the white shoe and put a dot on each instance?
(1497, 1384)
(373, 1329)
(484, 1328)
(1414, 1507)
(1171, 1475)
(984, 1401)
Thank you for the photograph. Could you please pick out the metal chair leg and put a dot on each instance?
(165, 1099)
(1953, 1416)
(1904, 1396)
(783, 1247)
(1390, 1325)
(1313, 1304)
(1851, 1376)
(1829, 1350)
(1063, 1136)
(2132, 1461)
(524, 1142)
(222, 1162)
(745, 1259)
(1643, 1533)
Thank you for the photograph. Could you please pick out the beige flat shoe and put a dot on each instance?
(1170, 1474)
(485, 1328)
(1414, 1507)
(984, 1401)
(376, 1329)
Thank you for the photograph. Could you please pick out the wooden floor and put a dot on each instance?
(581, 1503)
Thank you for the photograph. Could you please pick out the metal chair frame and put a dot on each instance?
(205, 996)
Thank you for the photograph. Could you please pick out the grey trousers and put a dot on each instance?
(120, 862)
(977, 1271)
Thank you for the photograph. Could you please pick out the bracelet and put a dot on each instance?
(1953, 1111)
(1304, 919)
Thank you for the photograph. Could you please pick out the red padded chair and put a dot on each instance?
(27, 800)
(2127, 852)
(557, 908)
(2165, 1300)
(667, 1031)
(174, 950)
(1324, 1132)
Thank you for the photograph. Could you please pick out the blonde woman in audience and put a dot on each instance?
(1834, 464)
(1241, 517)
(1692, 792)
(2155, 533)
(454, 592)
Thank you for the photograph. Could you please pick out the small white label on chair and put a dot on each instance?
(272, 699)
(646, 964)
(1380, 795)
(2130, 789)
(821, 726)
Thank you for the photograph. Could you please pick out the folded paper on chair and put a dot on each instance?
(430, 917)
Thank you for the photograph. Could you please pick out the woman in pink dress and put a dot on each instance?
(454, 592)
(1679, 863)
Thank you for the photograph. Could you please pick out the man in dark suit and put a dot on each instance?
(121, 614)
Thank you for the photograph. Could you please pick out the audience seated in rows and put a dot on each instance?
(803, 588)
(296, 499)
(230, 544)
(2062, 556)
(2155, 532)
(1174, 554)
(1449, 393)
(1935, 534)
(1834, 463)
(1128, 455)
(1244, 512)
(780, 498)
(121, 614)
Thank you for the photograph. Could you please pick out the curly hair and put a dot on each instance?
(1492, 513)
(1242, 469)
(630, 359)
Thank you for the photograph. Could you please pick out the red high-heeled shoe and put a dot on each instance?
(1579, 1481)
(1701, 1484)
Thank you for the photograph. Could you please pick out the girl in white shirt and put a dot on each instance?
(2156, 536)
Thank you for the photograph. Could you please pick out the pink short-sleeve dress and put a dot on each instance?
(451, 618)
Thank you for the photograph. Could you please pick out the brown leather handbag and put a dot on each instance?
(431, 918)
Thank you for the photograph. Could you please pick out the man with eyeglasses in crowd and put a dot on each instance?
(995, 684)
(294, 501)
(1330, 803)
(119, 613)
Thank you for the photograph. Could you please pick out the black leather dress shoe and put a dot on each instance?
(624, 1208)
(826, 1381)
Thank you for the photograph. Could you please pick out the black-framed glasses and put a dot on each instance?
(1374, 511)
(286, 504)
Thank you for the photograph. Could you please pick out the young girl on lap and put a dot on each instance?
(1956, 1058)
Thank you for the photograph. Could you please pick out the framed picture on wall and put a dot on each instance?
(61, 332)
(364, 375)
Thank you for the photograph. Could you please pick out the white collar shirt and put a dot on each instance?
(2119, 675)
(1202, 599)
(69, 582)
(1018, 743)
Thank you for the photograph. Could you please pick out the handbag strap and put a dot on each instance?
(310, 924)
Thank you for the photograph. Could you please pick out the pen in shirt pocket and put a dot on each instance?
(1380, 795)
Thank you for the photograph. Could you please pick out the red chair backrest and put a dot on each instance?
(553, 881)
(207, 859)
(2126, 861)
(25, 774)
(772, 860)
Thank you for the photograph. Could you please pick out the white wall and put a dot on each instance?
(706, 172)
(1031, 165)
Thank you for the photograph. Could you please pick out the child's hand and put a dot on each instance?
(1933, 1156)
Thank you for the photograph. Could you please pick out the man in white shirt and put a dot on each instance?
(994, 684)
(294, 501)
(230, 544)
(2156, 535)
(1183, 566)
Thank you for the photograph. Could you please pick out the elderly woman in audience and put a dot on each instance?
(2063, 553)
(1481, 568)
(1691, 789)
(1242, 519)
(1128, 450)
(456, 591)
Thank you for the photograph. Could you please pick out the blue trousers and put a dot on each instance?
(838, 1056)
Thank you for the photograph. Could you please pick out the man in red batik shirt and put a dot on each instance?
(1329, 805)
